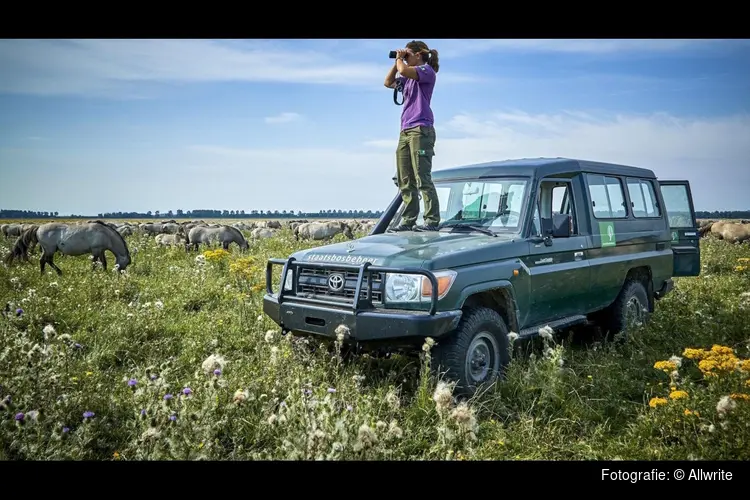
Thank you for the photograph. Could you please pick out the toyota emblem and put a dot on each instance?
(336, 282)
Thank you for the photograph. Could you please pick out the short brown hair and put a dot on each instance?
(429, 56)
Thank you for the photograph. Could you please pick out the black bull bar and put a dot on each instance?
(364, 270)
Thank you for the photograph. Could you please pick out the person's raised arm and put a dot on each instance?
(390, 78)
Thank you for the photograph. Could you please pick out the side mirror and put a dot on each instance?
(560, 226)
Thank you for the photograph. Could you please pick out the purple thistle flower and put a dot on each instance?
(217, 372)
(65, 430)
(331, 390)
(349, 408)
(132, 382)
(88, 414)
(143, 412)
(153, 377)
(20, 416)
(187, 391)
(167, 397)
(307, 391)
(19, 311)
(173, 417)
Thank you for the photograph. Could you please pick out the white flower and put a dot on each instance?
(443, 396)
(546, 332)
(270, 334)
(676, 360)
(512, 336)
(212, 363)
(725, 405)
(49, 331)
(159, 304)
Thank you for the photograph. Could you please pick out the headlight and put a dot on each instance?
(288, 280)
(415, 287)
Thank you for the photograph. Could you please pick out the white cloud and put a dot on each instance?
(111, 67)
(457, 48)
(713, 153)
(285, 117)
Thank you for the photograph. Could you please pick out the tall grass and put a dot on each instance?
(175, 360)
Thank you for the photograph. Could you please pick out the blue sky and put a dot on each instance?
(89, 126)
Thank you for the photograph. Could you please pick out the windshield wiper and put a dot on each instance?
(473, 227)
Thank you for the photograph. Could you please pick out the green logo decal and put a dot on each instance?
(675, 236)
(607, 234)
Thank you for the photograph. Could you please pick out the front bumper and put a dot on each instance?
(364, 321)
(363, 325)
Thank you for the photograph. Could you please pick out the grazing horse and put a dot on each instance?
(76, 239)
(222, 234)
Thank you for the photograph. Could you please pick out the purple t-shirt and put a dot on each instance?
(417, 96)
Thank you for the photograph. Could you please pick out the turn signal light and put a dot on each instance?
(444, 283)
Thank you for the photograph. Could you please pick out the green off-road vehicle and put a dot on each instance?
(522, 244)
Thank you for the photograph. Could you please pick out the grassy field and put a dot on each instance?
(175, 360)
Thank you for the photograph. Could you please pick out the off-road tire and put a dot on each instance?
(614, 321)
(478, 325)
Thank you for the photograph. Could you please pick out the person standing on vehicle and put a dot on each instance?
(417, 66)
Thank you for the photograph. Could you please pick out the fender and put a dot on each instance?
(486, 286)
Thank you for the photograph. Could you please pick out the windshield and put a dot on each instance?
(494, 204)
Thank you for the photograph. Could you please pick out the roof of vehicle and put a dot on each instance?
(540, 167)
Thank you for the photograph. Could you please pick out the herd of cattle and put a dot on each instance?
(171, 232)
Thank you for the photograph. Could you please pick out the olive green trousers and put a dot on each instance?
(416, 147)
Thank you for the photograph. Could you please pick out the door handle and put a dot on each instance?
(578, 255)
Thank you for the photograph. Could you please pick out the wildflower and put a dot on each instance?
(217, 372)
(512, 336)
(657, 402)
(159, 304)
(65, 430)
(443, 397)
(546, 332)
(240, 396)
(740, 396)
(744, 365)
(143, 412)
(33, 415)
(331, 390)
(676, 360)
(691, 412)
(213, 362)
(342, 331)
(269, 336)
(88, 414)
(392, 400)
(665, 366)
(167, 397)
(173, 417)
(694, 353)
(19, 416)
(464, 417)
(725, 405)
(49, 332)
(349, 408)
(394, 430)
(19, 311)
(132, 382)
(366, 437)
(187, 391)
(678, 395)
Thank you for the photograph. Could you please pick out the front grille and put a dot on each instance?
(314, 283)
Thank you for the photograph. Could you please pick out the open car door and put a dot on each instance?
(680, 212)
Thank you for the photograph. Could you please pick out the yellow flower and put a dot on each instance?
(690, 412)
(740, 269)
(694, 353)
(657, 402)
(740, 396)
(678, 394)
(745, 365)
(743, 259)
(665, 366)
(116, 456)
(747, 382)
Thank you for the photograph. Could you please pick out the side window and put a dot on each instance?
(555, 197)
(642, 198)
(607, 196)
